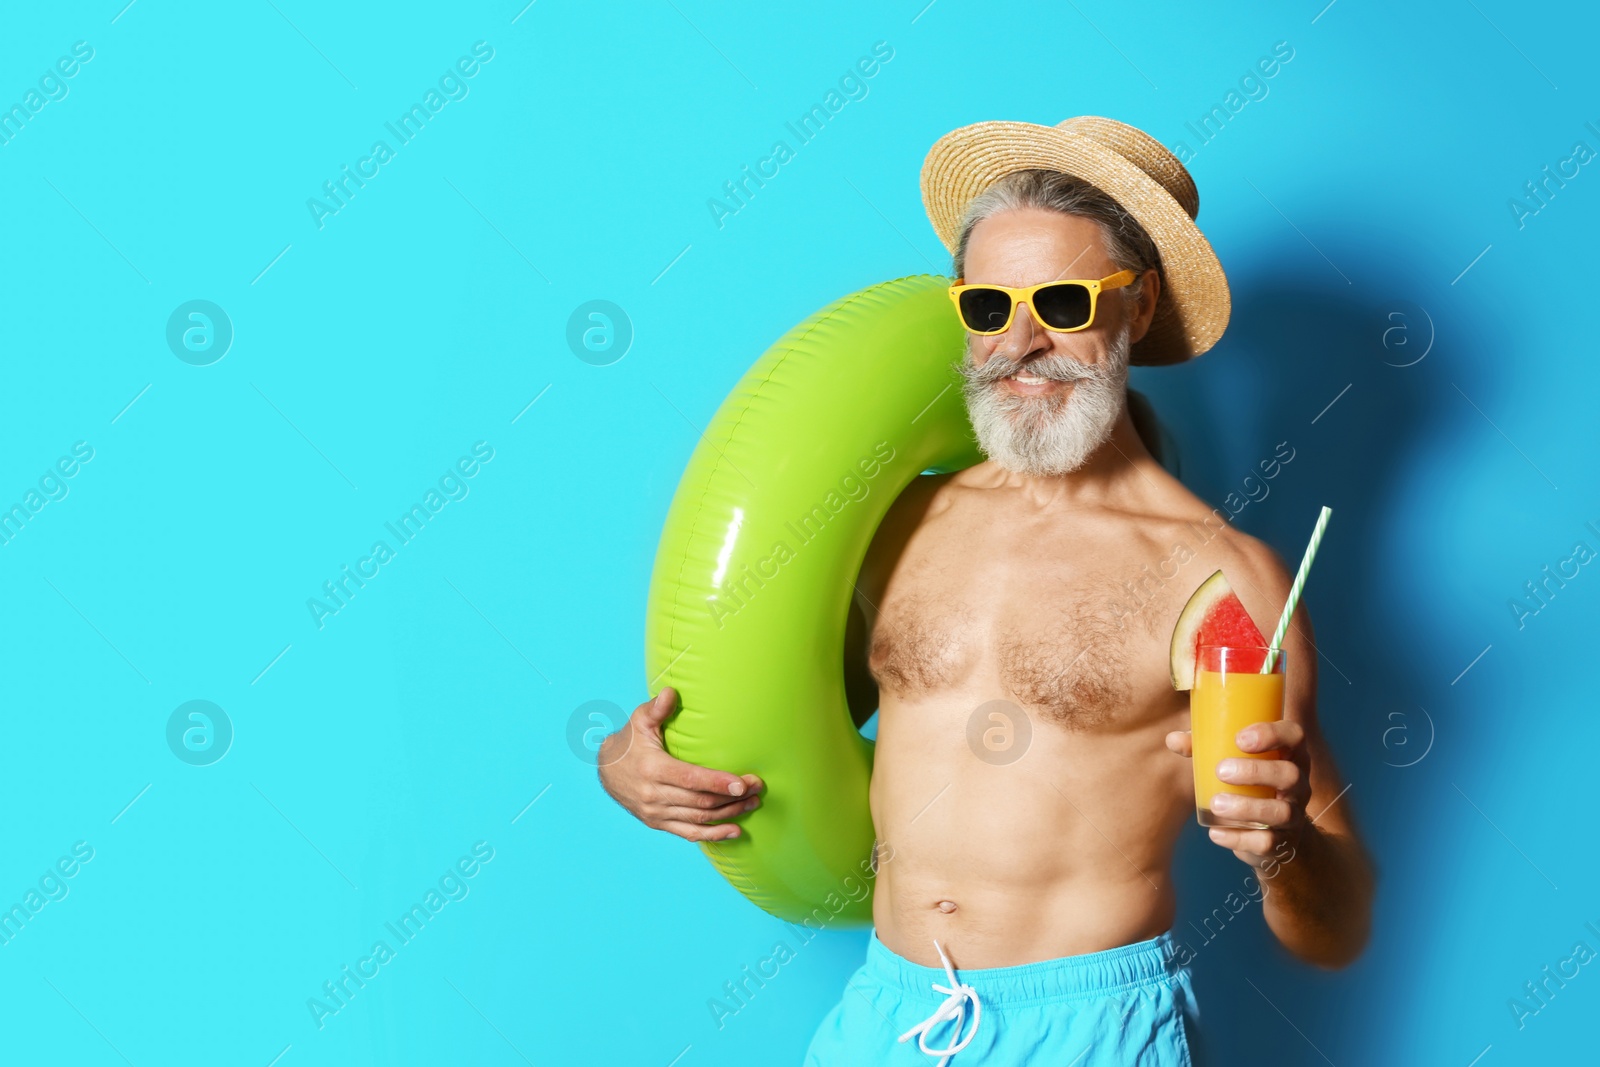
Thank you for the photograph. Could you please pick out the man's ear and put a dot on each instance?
(1146, 310)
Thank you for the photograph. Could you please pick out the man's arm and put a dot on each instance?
(1315, 872)
(696, 802)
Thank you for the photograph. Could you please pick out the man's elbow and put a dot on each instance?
(1345, 946)
(1340, 952)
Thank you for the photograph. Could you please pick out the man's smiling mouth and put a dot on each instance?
(1023, 384)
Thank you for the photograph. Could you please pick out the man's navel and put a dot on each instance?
(946, 906)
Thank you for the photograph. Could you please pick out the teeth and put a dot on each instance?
(1028, 379)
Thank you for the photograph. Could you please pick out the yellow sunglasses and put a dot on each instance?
(1064, 306)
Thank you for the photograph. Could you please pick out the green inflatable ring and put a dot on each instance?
(755, 570)
(757, 561)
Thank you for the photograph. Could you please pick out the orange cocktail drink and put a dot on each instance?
(1230, 692)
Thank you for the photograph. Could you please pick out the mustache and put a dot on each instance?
(1054, 367)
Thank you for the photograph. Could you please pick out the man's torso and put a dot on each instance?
(1024, 799)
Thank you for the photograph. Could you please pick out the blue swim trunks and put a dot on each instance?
(1132, 1005)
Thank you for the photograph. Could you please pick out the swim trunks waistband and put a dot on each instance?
(1090, 974)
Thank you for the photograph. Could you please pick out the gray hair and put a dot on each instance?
(1127, 243)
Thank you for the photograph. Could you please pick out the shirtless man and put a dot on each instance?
(1038, 883)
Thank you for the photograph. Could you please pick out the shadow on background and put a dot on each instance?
(1320, 364)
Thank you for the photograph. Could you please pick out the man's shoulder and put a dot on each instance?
(1254, 570)
(918, 502)
(1257, 560)
(926, 493)
(1185, 523)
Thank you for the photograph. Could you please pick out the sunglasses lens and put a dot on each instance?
(984, 310)
(1062, 307)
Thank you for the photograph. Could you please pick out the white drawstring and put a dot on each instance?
(954, 1007)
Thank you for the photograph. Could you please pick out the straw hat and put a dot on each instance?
(1134, 169)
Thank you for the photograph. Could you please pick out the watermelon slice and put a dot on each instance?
(1213, 616)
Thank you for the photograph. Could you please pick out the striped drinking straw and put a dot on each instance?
(1294, 590)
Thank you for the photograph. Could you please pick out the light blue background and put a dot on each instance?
(430, 311)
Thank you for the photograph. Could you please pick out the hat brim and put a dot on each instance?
(1194, 304)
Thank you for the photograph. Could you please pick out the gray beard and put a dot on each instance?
(1045, 435)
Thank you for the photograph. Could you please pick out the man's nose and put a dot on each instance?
(1025, 332)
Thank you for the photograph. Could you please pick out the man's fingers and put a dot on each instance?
(691, 776)
(653, 712)
(1257, 842)
(643, 726)
(1253, 809)
(1181, 742)
(1280, 774)
(649, 716)
(695, 832)
(1261, 736)
(707, 824)
(687, 805)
